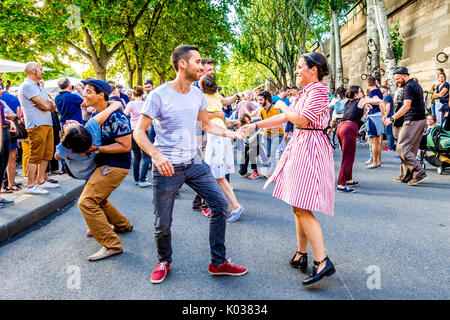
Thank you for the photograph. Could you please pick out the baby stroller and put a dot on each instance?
(437, 149)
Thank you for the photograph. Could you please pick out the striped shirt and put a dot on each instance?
(174, 116)
(305, 173)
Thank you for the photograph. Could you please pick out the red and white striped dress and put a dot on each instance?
(305, 173)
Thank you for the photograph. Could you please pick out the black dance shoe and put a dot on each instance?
(301, 263)
(327, 271)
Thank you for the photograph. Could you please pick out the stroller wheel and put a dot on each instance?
(440, 170)
(423, 165)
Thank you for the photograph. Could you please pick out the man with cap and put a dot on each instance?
(114, 162)
(413, 110)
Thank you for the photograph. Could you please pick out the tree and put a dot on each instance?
(273, 36)
(385, 41)
(373, 42)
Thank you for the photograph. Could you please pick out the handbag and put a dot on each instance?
(21, 131)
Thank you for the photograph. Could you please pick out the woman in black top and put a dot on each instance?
(347, 133)
(441, 95)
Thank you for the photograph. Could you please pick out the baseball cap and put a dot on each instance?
(148, 81)
(101, 85)
(401, 70)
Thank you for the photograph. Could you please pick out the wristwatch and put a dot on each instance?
(97, 148)
(392, 119)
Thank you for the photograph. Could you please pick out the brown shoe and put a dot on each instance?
(417, 180)
(400, 180)
(104, 253)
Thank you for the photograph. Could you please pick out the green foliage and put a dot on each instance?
(397, 40)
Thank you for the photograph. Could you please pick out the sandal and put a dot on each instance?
(15, 188)
(6, 190)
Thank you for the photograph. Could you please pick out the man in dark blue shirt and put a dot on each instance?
(123, 95)
(388, 112)
(67, 103)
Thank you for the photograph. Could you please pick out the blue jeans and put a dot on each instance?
(269, 143)
(140, 172)
(390, 137)
(198, 176)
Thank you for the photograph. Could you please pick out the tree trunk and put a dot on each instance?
(162, 78)
(332, 58)
(385, 41)
(139, 79)
(373, 42)
(337, 37)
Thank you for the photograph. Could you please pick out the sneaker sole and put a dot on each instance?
(227, 274)
(159, 281)
(346, 191)
(417, 182)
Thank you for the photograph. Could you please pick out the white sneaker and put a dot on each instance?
(144, 184)
(35, 190)
(48, 185)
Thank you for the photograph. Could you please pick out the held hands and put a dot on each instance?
(387, 122)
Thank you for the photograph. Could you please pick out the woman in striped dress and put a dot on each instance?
(305, 173)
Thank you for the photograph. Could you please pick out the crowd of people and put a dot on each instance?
(191, 132)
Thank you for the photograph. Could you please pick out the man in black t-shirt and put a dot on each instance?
(413, 110)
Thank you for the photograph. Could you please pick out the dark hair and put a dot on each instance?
(266, 95)
(243, 118)
(78, 139)
(341, 92)
(371, 81)
(208, 84)
(385, 87)
(138, 91)
(63, 85)
(148, 81)
(98, 91)
(284, 89)
(294, 88)
(440, 69)
(352, 92)
(433, 116)
(181, 53)
(207, 61)
(443, 73)
(315, 59)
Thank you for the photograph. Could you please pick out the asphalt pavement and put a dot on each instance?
(387, 241)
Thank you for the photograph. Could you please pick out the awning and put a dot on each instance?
(7, 66)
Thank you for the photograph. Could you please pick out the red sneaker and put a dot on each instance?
(207, 212)
(386, 149)
(254, 175)
(227, 269)
(160, 272)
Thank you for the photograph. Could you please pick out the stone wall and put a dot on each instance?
(425, 25)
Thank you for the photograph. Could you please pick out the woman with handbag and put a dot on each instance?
(305, 173)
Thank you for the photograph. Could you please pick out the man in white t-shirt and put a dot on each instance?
(174, 108)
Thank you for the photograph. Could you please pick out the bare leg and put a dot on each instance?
(11, 168)
(32, 172)
(313, 232)
(41, 172)
(228, 191)
(302, 240)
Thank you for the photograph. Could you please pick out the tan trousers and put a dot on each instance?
(407, 148)
(98, 212)
(26, 152)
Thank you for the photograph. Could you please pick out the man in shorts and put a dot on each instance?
(37, 108)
